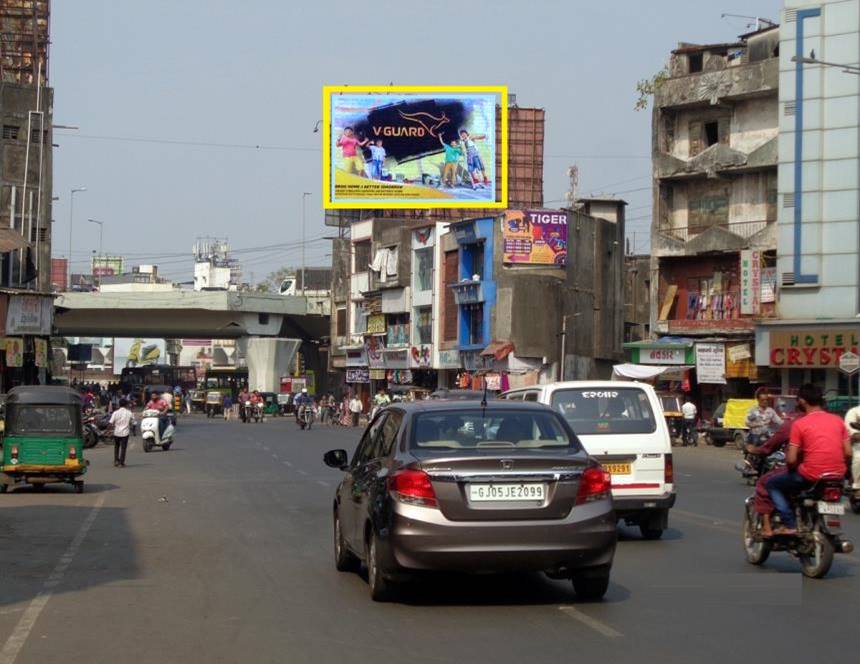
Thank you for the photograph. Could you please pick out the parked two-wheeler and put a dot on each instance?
(819, 529)
(90, 432)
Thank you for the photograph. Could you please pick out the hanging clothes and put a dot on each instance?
(380, 263)
(505, 382)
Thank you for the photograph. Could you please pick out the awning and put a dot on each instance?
(498, 349)
(11, 240)
(645, 371)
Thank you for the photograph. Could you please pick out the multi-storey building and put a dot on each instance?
(714, 146)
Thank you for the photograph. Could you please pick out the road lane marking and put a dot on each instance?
(287, 463)
(266, 448)
(25, 625)
(301, 472)
(591, 623)
(322, 483)
(275, 457)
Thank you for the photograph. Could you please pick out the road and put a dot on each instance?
(220, 551)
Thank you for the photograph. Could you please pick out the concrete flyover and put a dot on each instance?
(186, 314)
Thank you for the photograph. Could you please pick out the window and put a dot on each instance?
(473, 260)
(450, 276)
(10, 132)
(361, 252)
(424, 269)
(27, 420)
(531, 396)
(398, 330)
(340, 322)
(712, 133)
(444, 431)
(475, 324)
(424, 325)
(605, 410)
(390, 429)
(359, 319)
(369, 447)
(695, 62)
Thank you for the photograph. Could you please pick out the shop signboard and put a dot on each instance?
(374, 348)
(738, 352)
(662, 356)
(420, 356)
(449, 359)
(29, 314)
(376, 324)
(711, 363)
(535, 237)
(750, 281)
(358, 375)
(414, 147)
(377, 374)
(396, 359)
(812, 348)
(849, 363)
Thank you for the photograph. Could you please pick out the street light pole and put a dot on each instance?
(72, 193)
(304, 198)
(101, 232)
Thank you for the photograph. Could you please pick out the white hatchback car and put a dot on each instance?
(621, 424)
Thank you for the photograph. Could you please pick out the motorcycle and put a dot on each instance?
(819, 529)
(754, 466)
(150, 432)
(259, 411)
(91, 432)
(305, 417)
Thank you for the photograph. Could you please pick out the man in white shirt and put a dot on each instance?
(121, 420)
(355, 408)
(689, 411)
(852, 416)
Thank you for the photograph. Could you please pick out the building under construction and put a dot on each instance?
(26, 100)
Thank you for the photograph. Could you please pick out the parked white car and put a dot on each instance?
(621, 424)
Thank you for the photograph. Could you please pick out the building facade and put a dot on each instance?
(818, 262)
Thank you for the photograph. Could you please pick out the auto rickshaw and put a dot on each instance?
(214, 403)
(671, 404)
(270, 401)
(43, 438)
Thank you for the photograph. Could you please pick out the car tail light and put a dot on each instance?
(833, 494)
(593, 485)
(668, 470)
(73, 453)
(14, 452)
(413, 487)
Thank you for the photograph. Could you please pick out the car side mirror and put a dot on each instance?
(336, 459)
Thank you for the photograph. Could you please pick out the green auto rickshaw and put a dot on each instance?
(270, 404)
(43, 441)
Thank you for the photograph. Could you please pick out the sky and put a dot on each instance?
(221, 98)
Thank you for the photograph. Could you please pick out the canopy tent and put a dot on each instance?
(648, 372)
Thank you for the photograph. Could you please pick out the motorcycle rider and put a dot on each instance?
(157, 403)
(851, 417)
(689, 412)
(763, 504)
(818, 446)
(244, 397)
(303, 399)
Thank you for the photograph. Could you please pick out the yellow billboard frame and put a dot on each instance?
(329, 90)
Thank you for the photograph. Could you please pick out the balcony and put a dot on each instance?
(397, 335)
(468, 292)
(712, 87)
(741, 229)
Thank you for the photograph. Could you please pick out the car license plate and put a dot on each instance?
(830, 508)
(506, 492)
(617, 468)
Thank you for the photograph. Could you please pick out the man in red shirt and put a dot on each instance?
(818, 446)
(157, 403)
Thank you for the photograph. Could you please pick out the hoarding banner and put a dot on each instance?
(414, 147)
(136, 352)
(711, 363)
(29, 314)
(535, 237)
(750, 281)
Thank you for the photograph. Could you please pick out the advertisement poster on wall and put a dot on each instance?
(750, 281)
(14, 352)
(414, 147)
(29, 314)
(711, 363)
(535, 237)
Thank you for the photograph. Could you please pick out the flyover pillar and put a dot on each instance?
(268, 358)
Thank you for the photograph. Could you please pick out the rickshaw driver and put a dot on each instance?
(157, 403)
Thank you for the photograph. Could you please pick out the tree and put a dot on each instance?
(648, 86)
(272, 283)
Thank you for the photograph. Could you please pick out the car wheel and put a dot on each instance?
(380, 587)
(4, 488)
(650, 533)
(79, 487)
(344, 560)
(590, 587)
(718, 443)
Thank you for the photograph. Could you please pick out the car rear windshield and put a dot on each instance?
(605, 410)
(34, 420)
(490, 429)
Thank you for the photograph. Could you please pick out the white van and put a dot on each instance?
(621, 424)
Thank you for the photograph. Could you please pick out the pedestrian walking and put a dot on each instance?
(355, 409)
(345, 417)
(121, 420)
(228, 407)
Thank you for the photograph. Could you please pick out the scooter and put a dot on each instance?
(149, 432)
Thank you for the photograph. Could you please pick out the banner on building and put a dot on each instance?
(357, 375)
(14, 351)
(137, 352)
(414, 147)
(535, 237)
(711, 363)
(374, 348)
(376, 324)
(29, 314)
(420, 357)
(750, 281)
(738, 352)
(768, 285)
(812, 348)
(40, 348)
(449, 359)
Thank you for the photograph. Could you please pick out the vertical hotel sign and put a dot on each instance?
(750, 281)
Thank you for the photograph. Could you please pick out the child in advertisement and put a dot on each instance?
(453, 152)
(474, 163)
(377, 159)
(353, 162)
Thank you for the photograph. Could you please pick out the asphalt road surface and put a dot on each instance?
(220, 551)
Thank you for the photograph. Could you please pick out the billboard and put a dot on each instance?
(414, 147)
(136, 352)
(107, 266)
(535, 237)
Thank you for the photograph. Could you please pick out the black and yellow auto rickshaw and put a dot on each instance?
(43, 440)
(214, 403)
(671, 404)
(198, 401)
